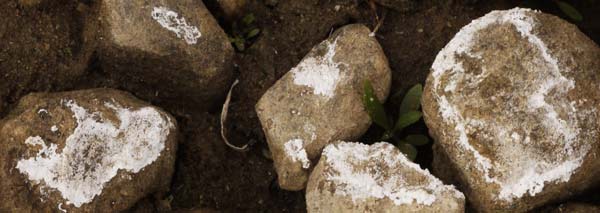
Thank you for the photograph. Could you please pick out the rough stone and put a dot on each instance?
(83, 151)
(509, 104)
(166, 51)
(319, 101)
(355, 177)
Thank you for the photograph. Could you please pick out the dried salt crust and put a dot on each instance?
(133, 144)
(370, 181)
(169, 20)
(522, 170)
(322, 74)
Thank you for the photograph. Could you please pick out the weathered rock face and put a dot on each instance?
(174, 46)
(355, 177)
(83, 151)
(509, 102)
(319, 101)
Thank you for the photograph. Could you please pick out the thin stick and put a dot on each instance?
(224, 119)
(379, 23)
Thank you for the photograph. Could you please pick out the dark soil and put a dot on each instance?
(210, 176)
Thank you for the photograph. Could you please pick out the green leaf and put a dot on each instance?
(409, 150)
(569, 10)
(407, 119)
(417, 140)
(248, 19)
(254, 32)
(412, 99)
(374, 107)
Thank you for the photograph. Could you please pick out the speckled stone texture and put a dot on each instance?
(320, 101)
(512, 103)
(355, 177)
(84, 151)
(173, 46)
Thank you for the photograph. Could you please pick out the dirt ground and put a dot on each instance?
(212, 177)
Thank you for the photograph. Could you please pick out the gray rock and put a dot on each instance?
(171, 51)
(319, 101)
(510, 105)
(355, 177)
(83, 151)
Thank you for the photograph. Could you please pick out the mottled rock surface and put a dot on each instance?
(510, 104)
(174, 46)
(84, 151)
(319, 101)
(355, 177)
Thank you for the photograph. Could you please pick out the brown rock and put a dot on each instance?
(84, 151)
(355, 177)
(510, 104)
(170, 51)
(319, 101)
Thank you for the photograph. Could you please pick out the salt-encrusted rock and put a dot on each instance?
(84, 151)
(319, 101)
(512, 101)
(165, 51)
(355, 177)
(399, 5)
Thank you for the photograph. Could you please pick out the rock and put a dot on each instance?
(320, 101)
(83, 151)
(167, 51)
(355, 177)
(576, 208)
(509, 103)
(43, 47)
(399, 5)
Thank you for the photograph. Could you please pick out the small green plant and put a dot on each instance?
(408, 114)
(243, 32)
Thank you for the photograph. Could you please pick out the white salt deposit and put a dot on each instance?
(295, 150)
(170, 20)
(322, 74)
(521, 168)
(380, 171)
(96, 150)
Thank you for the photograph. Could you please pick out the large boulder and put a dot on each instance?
(171, 52)
(319, 101)
(355, 177)
(43, 48)
(512, 103)
(84, 151)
